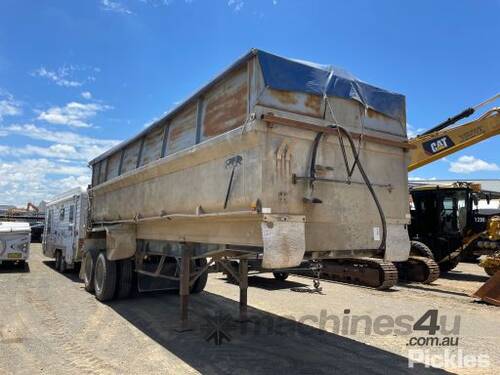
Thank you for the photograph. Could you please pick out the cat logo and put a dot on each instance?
(436, 145)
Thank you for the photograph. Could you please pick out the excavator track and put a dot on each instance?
(419, 269)
(371, 272)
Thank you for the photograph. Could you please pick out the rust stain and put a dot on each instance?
(313, 102)
(285, 97)
(227, 110)
(152, 146)
(182, 124)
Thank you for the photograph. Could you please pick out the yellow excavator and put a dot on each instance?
(442, 140)
(436, 224)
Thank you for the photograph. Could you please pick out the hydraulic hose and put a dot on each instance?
(357, 163)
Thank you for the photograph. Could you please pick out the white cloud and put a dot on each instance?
(86, 95)
(53, 151)
(67, 145)
(469, 164)
(421, 178)
(73, 114)
(114, 6)
(34, 173)
(66, 137)
(65, 75)
(237, 5)
(412, 131)
(162, 2)
(59, 77)
(8, 105)
(32, 180)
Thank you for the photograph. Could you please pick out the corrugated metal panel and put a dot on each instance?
(102, 171)
(152, 146)
(182, 131)
(130, 157)
(95, 174)
(225, 105)
(182, 107)
(113, 165)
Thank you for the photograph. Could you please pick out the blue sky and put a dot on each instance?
(78, 76)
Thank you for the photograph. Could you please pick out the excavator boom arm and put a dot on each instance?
(430, 147)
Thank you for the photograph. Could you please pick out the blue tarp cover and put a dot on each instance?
(294, 75)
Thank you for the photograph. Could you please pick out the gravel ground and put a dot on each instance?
(50, 325)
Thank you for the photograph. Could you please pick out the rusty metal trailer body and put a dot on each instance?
(251, 166)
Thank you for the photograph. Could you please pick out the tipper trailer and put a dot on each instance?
(277, 160)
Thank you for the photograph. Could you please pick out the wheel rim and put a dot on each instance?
(99, 274)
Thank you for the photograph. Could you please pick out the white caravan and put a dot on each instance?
(65, 226)
(14, 241)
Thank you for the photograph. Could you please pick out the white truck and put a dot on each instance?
(15, 240)
(65, 226)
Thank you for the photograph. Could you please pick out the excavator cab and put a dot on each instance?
(440, 218)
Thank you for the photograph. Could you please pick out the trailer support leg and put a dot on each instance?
(243, 268)
(184, 288)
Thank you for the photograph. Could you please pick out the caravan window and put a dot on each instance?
(61, 214)
(71, 213)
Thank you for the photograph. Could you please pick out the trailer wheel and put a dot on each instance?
(63, 266)
(281, 276)
(124, 278)
(58, 258)
(88, 272)
(104, 278)
(201, 281)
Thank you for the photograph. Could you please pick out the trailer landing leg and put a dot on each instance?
(243, 281)
(184, 289)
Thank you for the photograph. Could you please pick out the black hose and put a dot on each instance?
(357, 162)
(314, 153)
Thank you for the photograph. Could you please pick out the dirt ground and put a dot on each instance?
(50, 325)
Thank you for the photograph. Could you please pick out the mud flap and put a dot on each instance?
(398, 243)
(284, 241)
(120, 241)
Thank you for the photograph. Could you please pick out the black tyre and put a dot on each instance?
(201, 281)
(63, 266)
(420, 249)
(449, 264)
(124, 278)
(104, 278)
(58, 258)
(88, 272)
(281, 276)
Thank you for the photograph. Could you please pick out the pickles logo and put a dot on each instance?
(437, 145)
